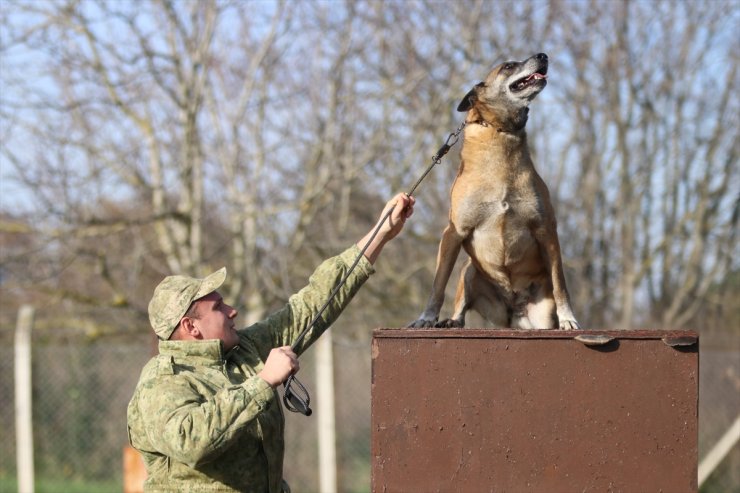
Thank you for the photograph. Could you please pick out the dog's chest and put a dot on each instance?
(499, 211)
(499, 227)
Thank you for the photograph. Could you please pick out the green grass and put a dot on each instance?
(54, 485)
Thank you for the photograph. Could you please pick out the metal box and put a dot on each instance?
(538, 411)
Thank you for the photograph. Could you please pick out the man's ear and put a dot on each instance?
(470, 98)
(187, 327)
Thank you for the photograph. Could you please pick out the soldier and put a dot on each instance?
(205, 414)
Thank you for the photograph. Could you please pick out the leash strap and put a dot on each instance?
(299, 401)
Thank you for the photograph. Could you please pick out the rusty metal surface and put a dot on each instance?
(536, 411)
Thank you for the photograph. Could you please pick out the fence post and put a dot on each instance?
(23, 391)
(326, 417)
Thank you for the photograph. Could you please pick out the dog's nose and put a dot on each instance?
(541, 56)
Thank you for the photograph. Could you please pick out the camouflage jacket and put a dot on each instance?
(204, 421)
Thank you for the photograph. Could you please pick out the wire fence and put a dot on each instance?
(81, 390)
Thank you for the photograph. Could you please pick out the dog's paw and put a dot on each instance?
(569, 324)
(449, 323)
(422, 323)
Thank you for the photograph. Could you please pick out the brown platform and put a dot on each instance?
(480, 410)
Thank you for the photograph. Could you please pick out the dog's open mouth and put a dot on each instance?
(530, 80)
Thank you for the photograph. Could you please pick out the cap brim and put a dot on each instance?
(211, 283)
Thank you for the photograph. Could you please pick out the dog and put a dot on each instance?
(501, 214)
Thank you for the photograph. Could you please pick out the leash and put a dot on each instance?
(298, 399)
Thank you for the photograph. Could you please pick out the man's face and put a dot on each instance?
(215, 320)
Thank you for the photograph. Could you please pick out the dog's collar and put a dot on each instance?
(519, 121)
(487, 124)
(501, 130)
(481, 122)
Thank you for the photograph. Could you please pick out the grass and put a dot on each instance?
(56, 485)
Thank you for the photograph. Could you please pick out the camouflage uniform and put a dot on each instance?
(204, 421)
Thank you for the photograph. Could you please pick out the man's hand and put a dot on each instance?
(403, 208)
(281, 363)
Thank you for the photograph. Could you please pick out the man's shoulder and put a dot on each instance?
(157, 381)
(155, 370)
(158, 365)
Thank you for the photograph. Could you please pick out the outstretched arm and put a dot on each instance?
(283, 327)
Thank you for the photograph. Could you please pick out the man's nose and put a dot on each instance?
(232, 312)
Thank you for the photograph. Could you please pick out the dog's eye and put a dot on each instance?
(509, 66)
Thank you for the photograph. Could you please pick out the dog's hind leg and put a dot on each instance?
(540, 312)
(475, 292)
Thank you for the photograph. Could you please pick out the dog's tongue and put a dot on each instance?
(537, 76)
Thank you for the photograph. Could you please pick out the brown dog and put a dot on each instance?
(501, 213)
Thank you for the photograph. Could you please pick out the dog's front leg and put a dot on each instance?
(449, 248)
(551, 251)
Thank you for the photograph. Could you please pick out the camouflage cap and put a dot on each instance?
(173, 296)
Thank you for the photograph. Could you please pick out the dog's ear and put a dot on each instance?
(470, 98)
(467, 101)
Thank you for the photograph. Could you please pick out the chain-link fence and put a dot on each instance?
(80, 393)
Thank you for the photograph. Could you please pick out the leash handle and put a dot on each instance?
(298, 402)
